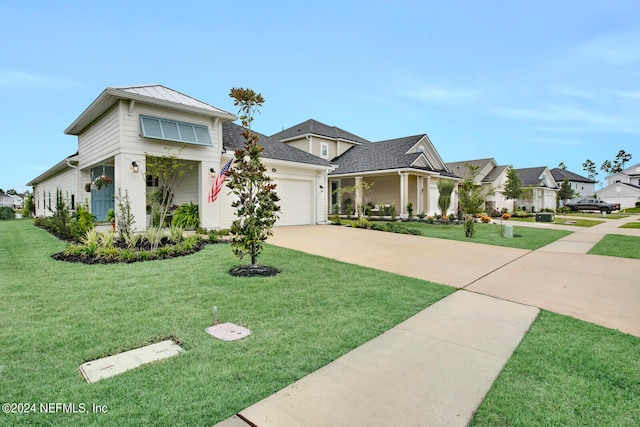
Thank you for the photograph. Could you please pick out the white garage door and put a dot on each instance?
(295, 201)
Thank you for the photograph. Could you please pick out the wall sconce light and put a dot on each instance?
(321, 188)
(212, 172)
(134, 167)
(273, 170)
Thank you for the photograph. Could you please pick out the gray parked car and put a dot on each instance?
(593, 205)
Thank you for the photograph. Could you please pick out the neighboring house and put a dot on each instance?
(6, 200)
(400, 171)
(584, 188)
(126, 125)
(490, 176)
(543, 186)
(622, 187)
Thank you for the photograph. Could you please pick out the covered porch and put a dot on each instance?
(385, 191)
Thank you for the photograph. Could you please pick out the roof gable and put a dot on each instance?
(313, 127)
(158, 95)
(484, 167)
(232, 139)
(387, 155)
(537, 177)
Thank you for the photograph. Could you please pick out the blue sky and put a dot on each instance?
(527, 83)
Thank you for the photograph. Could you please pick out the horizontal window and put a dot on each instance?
(153, 127)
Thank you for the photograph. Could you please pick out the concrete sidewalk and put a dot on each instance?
(434, 369)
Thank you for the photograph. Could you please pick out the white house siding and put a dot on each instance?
(45, 192)
(99, 143)
(619, 193)
(197, 182)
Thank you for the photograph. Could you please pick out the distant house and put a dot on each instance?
(543, 189)
(400, 171)
(124, 126)
(490, 176)
(623, 187)
(583, 187)
(6, 200)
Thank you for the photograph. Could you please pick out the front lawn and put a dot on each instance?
(57, 315)
(567, 373)
(618, 245)
(489, 234)
(631, 225)
(575, 221)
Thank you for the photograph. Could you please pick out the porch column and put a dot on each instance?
(358, 194)
(129, 182)
(427, 194)
(404, 193)
(419, 195)
(209, 212)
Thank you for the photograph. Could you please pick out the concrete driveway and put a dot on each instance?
(598, 289)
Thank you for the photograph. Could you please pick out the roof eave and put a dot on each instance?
(110, 96)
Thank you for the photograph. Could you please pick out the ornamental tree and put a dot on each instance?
(513, 186)
(255, 204)
(445, 188)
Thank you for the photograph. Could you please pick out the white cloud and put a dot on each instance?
(632, 94)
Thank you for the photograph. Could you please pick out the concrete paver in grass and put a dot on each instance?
(433, 369)
(110, 366)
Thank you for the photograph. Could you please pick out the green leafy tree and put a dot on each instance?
(562, 166)
(565, 193)
(366, 192)
(590, 167)
(607, 167)
(170, 171)
(256, 200)
(471, 198)
(445, 189)
(621, 158)
(513, 186)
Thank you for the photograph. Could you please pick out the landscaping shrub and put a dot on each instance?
(335, 219)
(7, 213)
(186, 216)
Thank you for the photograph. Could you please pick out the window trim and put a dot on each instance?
(177, 124)
(324, 146)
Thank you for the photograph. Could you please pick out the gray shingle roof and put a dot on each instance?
(314, 127)
(232, 139)
(383, 155)
(494, 174)
(530, 176)
(560, 174)
(460, 168)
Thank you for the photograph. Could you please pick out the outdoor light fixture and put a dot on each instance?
(134, 167)
(321, 188)
(212, 172)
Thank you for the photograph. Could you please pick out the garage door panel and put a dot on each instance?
(295, 201)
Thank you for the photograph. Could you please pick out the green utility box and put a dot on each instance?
(545, 217)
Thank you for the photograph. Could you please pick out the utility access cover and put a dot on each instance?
(228, 331)
(110, 366)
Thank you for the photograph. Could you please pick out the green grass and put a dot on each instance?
(575, 221)
(631, 225)
(489, 234)
(618, 245)
(57, 315)
(567, 373)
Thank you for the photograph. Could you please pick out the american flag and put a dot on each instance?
(218, 182)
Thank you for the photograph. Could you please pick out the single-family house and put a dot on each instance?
(581, 186)
(6, 200)
(490, 176)
(622, 187)
(396, 171)
(124, 126)
(541, 189)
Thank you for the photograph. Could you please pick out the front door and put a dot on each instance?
(102, 199)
